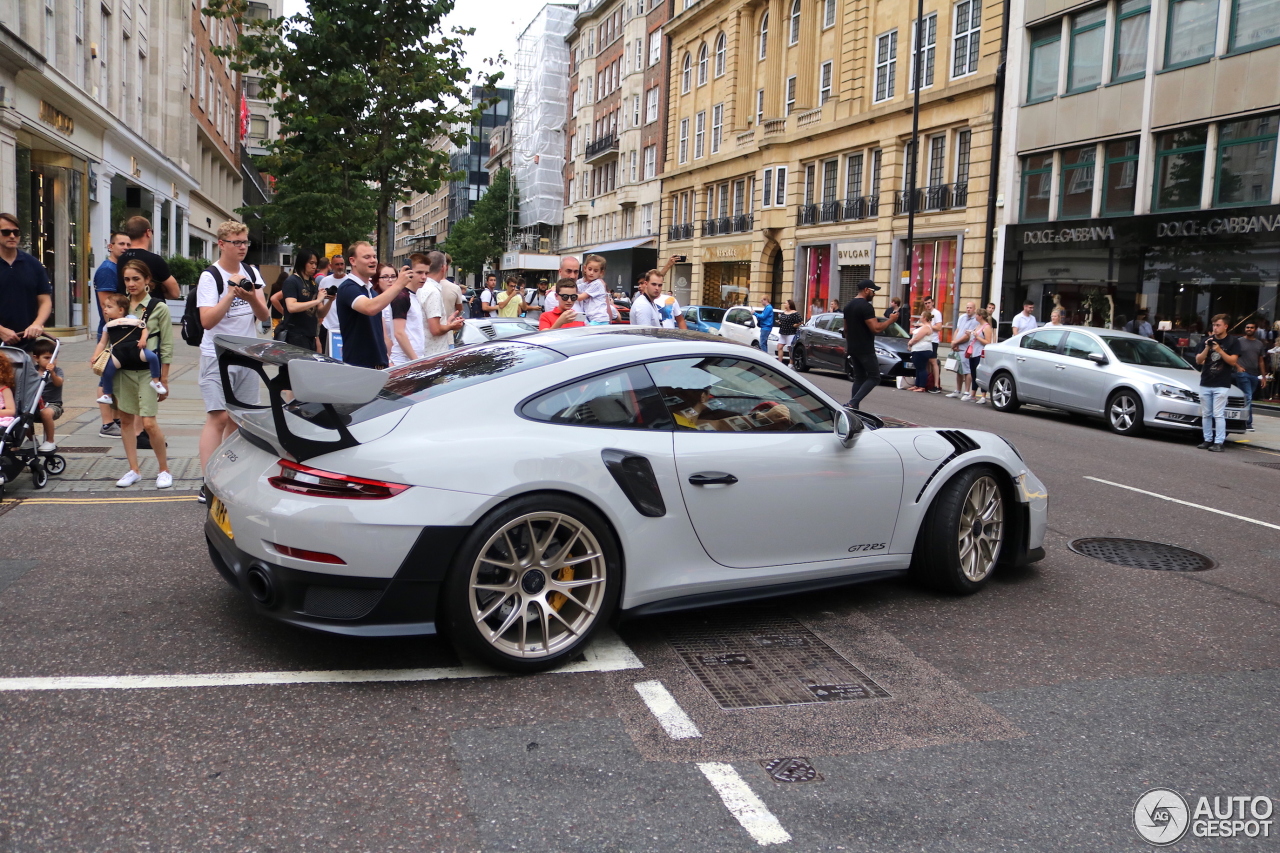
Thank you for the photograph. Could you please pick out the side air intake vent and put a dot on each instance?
(962, 443)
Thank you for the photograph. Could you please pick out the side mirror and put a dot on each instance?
(848, 427)
(1098, 358)
(338, 384)
(750, 322)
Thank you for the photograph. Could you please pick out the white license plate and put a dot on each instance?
(1234, 414)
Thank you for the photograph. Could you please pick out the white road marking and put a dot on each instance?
(1188, 503)
(749, 809)
(606, 653)
(664, 707)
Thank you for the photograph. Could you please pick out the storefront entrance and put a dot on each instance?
(53, 210)
(933, 276)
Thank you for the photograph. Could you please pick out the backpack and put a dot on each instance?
(192, 329)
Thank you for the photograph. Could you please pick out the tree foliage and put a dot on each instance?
(361, 92)
(479, 239)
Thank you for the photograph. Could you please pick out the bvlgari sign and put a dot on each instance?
(855, 253)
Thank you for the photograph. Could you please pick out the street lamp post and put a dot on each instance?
(913, 152)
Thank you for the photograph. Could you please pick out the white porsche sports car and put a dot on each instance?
(515, 494)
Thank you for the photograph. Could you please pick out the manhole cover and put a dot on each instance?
(791, 770)
(753, 659)
(1272, 465)
(1138, 554)
(62, 449)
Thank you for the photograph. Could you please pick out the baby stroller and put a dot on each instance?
(17, 440)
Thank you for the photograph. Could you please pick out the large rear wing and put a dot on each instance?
(323, 390)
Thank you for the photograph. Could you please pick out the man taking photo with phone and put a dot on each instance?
(1219, 356)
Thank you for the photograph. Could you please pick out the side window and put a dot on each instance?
(836, 324)
(625, 399)
(1044, 341)
(1081, 346)
(736, 315)
(823, 323)
(736, 395)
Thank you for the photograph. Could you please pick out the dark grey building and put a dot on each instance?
(472, 160)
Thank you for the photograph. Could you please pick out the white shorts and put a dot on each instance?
(785, 340)
(244, 384)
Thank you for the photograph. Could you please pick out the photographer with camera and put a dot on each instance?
(229, 296)
(1219, 356)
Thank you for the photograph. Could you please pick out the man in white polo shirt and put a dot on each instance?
(1025, 321)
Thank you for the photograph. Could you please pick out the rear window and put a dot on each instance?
(430, 377)
(710, 315)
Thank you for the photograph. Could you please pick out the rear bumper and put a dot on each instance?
(402, 605)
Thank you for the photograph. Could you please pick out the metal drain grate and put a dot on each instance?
(62, 449)
(1139, 554)
(753, 659)
(791, 770)
(1272, 465)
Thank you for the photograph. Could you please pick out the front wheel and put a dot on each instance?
(532, 582)
(1004, 393)
(55, 464)
(963, 533)
(1124, 413)
(798, 360)
(39, 476)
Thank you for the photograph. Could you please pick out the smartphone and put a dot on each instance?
(680, 259)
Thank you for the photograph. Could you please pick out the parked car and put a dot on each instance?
(703, 318)
(739, 324)
(492, 329)
(623, 303)
(1130, 381)
(819, 345)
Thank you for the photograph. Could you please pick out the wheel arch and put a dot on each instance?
(1019, 515)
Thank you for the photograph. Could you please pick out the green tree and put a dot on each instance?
(479, 239)
(361, 92)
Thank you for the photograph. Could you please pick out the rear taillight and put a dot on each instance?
(315, 483)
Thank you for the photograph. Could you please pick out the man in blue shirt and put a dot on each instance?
(105, 278)
(765, 316)
(26, 296)
(360, 309)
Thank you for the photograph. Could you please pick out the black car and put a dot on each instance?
(819, 345)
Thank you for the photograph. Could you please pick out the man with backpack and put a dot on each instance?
(229, 300)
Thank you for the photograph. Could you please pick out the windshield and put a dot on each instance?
(511, 330)
(893, 330)
(1145, 353)
(710, 315)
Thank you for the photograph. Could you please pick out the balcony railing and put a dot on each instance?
(728, 225)
(682, 231)
(930, 199)
(601, 147)
(849, 210)
(743, 223)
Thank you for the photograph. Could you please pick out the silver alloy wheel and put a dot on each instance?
(1123, 412)
(1002, 391)
(537, 585)
(981, 528)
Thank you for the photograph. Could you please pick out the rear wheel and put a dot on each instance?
(798, 360)
(1004, 393)
(39, 476)
(963, 533)
(55, 464)
(532, 583)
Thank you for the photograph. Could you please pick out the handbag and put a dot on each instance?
(952, 364)
(100, 363)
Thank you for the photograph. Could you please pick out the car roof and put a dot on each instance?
(589, 339)
(1092, 330)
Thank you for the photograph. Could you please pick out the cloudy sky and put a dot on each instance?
(497, 23)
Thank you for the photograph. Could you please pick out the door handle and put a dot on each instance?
(1020, 358)
(1059, 367)
(712, 478)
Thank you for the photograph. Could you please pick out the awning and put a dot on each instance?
(620, 246)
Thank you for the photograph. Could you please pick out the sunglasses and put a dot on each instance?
(9, 232)
(572, 297)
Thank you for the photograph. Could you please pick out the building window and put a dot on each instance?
(1076, 190)
(257, 127)
(780, 186)
(1193, 30)
(635, 167)
(635, 110)
(829, 14)
(876, 157)
(964, 143)
(724, 200)
(937, 160)
(824, 83)
(1037, 181)
(639, 54)
(1120, 178)
(766, 197)
(810, 171)
(853, 175)
(759, 106)
(684, 140)
(886, 65)
(651, 106)
(966, 42)
(930, 33)
(702, 64)
(1129, 60)
(739, 197)
(655, 47)
(830, 178)
(790, 103)
(722, 48)
(764, 35)
(646, 218)
(1254, 23)
(1042, 82)
(1246, 161)
(1088, 36)
(699, 134)
(717, 127)
(686, 75)
(795, 23)
(1180, 168)
(651, 162)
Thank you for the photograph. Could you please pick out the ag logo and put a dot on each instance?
(1161, 817)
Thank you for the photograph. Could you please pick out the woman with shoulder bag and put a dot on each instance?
(136, 396)
(305, 306)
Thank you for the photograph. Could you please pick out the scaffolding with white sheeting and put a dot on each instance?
(538, 118)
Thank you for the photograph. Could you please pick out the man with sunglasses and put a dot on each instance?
(26, 296)
(563, 316)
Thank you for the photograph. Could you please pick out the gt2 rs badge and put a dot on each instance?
(878, 546)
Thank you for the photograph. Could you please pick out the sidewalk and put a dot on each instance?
(95, 463)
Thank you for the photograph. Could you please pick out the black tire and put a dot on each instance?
(55, 465)
(755, 344)
(1004, 393)
(939, 560)
(1124, 413)
(39, 476)
(797, 359)
(485, 592)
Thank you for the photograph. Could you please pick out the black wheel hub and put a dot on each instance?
(533, 581)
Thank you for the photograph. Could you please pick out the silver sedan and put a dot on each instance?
(1131, 381)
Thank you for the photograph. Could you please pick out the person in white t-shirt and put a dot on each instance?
(489, 296)
(594, 300)
(234, 309)
(438, 331)
(337, 274)
(404, 315)
(654, 308)
(1025, 321)
(935, 320)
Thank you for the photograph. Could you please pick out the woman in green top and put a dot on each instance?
(511, 303)
(133, 392)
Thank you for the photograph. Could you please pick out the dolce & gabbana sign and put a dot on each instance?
(1069, 235)
(1219, 225)
(1245, 225)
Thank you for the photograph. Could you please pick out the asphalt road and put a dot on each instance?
(1029, 717)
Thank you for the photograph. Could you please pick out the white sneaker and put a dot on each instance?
(129, 478)
(164, 480)
(966, 396)
(980, 400)
(47, 447)
(105, 398)
(155, 383)
(954, 394)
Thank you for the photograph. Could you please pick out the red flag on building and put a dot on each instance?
(244, 117)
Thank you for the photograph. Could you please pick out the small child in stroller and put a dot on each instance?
(50, 405)
(8, 405)
(119, 336)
